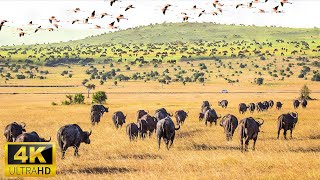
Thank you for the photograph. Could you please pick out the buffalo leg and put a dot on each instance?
(64, 149)
(159, 142)
(291, 133)
(246, 144)
(206, 123)
(279, 133)
(76, 151)
(285, 134)
(241, 144)
(254, 144)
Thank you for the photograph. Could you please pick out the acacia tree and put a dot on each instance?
(90, 87)
(305, 92)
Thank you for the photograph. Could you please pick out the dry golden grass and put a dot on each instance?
(199, 152)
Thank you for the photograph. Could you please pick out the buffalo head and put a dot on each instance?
(85, 136)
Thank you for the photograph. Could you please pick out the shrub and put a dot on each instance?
(99, 97)
(259, 81)
(316, 77)
(78, 99)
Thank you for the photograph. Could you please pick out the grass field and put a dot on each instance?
(199, 152)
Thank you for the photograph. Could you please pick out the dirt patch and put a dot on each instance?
(187, 133)
(97, 170)
(140, 156)
(306, 150)
(314, 137)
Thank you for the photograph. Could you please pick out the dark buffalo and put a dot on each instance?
(143, 128)
(181, 116)
(271, 103)
(201, 116)
(304, 103)
(261, 107)
(132, 131)
(223, 103)
(287, 122)
(230, 123)
(242, 108)
(161, 113)
(118, 119)
(252, 107)
(249, 130)
(95, 117)
(99, 107)
(140, 113)
(279, 105)
(211, 116)
(266, 104)
(13, 130)
(166, 130)
(151, 123)
(31, 137)
(205, 106)
(72, 135)
(296, 104)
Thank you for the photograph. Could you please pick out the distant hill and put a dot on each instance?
(161, 33)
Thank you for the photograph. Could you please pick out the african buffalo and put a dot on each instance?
(242, 108)
(223, 103)
(132, 131)
(261, 107)
(166, 130)
(304, 103)
(118, 119)
(181, 116)
(266, 104)
(99, 107)
(95, 117)
(211, 116)
(249, 130)
(31, 137)
(205, 106)
(252, 107)
(279, 105)
(271, 103)
(230, 123)
(72, 135)
(161, 113)
(143, 128)
(287, 122)
(140, 113)
(201, 116)
(296, 104)
(13, 130)
(151, 123)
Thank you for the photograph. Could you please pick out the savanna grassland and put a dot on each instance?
(199, 152)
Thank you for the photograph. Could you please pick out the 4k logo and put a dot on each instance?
(30, 159)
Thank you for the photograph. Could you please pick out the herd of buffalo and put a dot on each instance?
(162, 124)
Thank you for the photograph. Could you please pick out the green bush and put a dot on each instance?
(78, 99)
(99, 97)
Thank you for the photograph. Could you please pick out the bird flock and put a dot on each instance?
(95, 19)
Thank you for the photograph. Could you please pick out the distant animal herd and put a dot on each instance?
(162, 124)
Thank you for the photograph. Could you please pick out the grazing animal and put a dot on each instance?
(296, 104)
(181, 116)
(266, 105)
(118, 119)
(13, 130)
(271, 103)
(151, 123)
(161, 113)
(72, 135)
(304, 103)
(99, 107)
(279, 105)
(223, 103)
(249, 130)
(95, 117)
(132, 131)
(143, 128)
(205, 106)
(31, 137)
(242, 108)
(287, 122)
(201, 116)
(140, 113)
(252, 107)
(230, 123)
(261, 107)
(211, 116)
(166, 130)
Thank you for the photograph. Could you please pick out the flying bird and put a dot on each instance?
(129, 7)
(111, 25)
(21, 34)
(120, 17)
(165, 8)
(74, 21)
(104, 14)
(238, 5)
(93, 14)
(112, 2)
(2, 23)
(38, 28)
(285, 1)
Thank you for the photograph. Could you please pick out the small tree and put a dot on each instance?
(305, 92)
(78, 99)
(99, 97)
(259, 81)
(90, 87)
